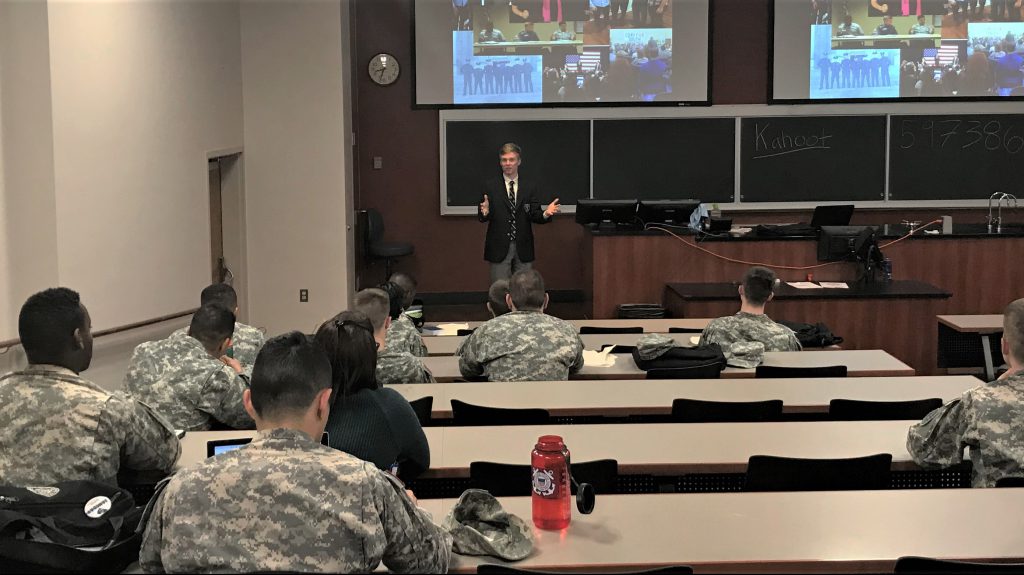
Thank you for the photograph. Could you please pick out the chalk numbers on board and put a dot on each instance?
(990, 135)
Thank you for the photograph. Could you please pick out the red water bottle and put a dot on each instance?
(551, 492)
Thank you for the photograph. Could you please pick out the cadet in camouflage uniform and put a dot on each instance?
(182, 378)
(285, 502)
(403, 335)
(58, 426)
(526, 344)
(988, 419)
(394, 365)
(750, 324)
(246, 340)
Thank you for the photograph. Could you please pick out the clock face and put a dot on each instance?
(383, 69)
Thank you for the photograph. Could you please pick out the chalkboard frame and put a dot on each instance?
(737, 112)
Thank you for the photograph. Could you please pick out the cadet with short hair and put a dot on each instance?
(988, 419)
(750, 324)
(525, 344)
(285, 502)
(393, 365)
(188, 379)
(59, 426)
(497, 297)
(402, 335)
(246, 340)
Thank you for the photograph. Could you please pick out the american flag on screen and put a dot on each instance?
(588, 62)
(572, 62)
(945, 56)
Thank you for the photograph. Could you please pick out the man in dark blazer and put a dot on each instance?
(516, 206)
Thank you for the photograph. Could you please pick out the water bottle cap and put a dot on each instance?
(550, 443)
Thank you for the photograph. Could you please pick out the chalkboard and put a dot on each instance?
(665, 159)
(555, 153)
(955, 157)
(812, 158)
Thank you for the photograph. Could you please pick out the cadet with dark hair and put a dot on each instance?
(988, 419)
(497, 298)
(525, 344)
(750, 325)
(285, 502)
(402, 335)
(393, 365)
(58, 426)
(373, 423)
(246, 341)
(188, 379)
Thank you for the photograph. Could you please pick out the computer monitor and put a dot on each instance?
(832, 216)
(607, 213)
(853, 243)
(672, 212)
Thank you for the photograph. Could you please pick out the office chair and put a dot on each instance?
(507, 480)
(377, 248)
(769, 473)
(606, 330)
(928, 566)
(856, 410)
(423, 408)
(468, 414)
(509, 570)
(698, 411)
(684, 330)
(464, 331)
(771, 371)
(712, 370)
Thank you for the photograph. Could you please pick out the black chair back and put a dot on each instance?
(928, 566)
(684, 330)
(464, 331)
(1010, 481)
(712, 370)
(374, 226)
(423, 407)
(769, 473)
(468, 414)
(507, 480)
(604, 330)
(856, 410)
(771, 371)
(698, 411)
(509, 570)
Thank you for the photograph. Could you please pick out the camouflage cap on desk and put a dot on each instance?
(654, 345)
(746, 354)
(479, 526)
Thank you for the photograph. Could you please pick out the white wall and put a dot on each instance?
(141, 92)
(297, 152)
(28, 225)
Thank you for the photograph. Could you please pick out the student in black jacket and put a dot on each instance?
(515, 207)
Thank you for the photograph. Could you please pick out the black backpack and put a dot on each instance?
(683, 357)
(812, 334)
(71, 527)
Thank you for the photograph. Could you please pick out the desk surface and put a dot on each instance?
(991, 323)
(838, 531)
(631, 397)
(860, 363)
(448, 345)
(897, 289)
(643, 448)
(649, 325)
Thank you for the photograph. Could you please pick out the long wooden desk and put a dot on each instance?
(834, 532)
(661, 325)
(860, 363)
(630, 397)
(975, 328)
(652, 448)
(448, 345)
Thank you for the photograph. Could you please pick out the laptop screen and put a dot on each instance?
(219, 446)
(832, 215)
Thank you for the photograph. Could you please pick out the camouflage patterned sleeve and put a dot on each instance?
(148, 441)
(221, 397)
(416, 345)
(470, 364)
(414, 543)
(577, 362)
(134, 378)
(152, 538)
(710, 334)
(937, 441)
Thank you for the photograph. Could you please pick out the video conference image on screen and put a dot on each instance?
(891, 49)
(487, 52)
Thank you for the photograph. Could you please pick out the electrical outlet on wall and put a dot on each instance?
(303, 295)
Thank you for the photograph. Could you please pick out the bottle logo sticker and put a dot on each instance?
(97, 506)
(543, 482)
